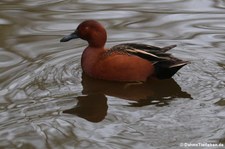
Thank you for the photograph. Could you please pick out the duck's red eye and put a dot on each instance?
(86, 28)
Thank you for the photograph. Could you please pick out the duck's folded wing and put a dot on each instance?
(146, 47)
(148, 52)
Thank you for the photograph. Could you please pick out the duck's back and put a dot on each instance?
(165, 65)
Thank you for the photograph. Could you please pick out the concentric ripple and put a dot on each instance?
(8, 59)
(46, 101)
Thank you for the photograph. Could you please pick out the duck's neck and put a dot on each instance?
(96, 44)
(98, 39)
(90, 57)
(91, 53)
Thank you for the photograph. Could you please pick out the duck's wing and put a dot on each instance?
(165, 64)
(146, 47)
(148, 52)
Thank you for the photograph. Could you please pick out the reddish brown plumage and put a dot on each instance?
(117, 67)
(125, 62)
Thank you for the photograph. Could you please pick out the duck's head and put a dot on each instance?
(91, 31)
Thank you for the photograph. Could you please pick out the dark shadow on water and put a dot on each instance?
(153, 89)
(93, 105)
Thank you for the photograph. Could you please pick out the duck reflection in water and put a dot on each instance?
(93, 105)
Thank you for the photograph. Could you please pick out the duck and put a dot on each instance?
(126, 62)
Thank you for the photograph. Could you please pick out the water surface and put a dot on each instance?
(46, 101)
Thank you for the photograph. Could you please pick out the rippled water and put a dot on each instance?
(46, 101)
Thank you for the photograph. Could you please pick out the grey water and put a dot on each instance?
(47, 102)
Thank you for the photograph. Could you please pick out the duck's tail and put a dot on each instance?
(166, 69)
(167, 48)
